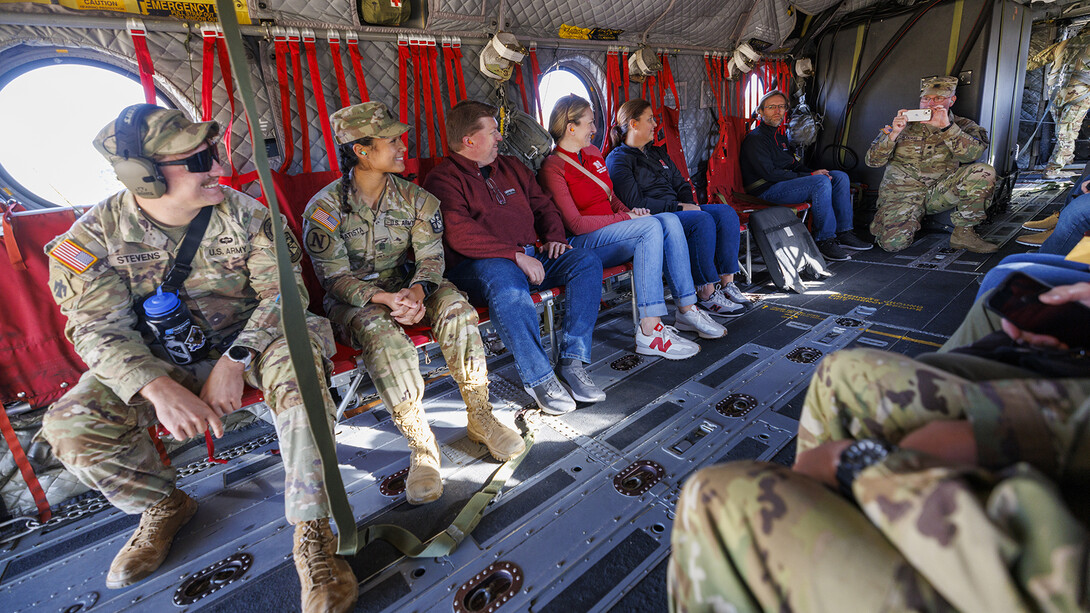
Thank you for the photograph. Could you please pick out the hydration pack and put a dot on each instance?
(525, 139)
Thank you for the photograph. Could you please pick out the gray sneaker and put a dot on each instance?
(720, 306)
(575, 379)
(730, 290)
(551, 397)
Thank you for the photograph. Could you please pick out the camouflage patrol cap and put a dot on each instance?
(162, 132)
(367, 120)
(938, 86)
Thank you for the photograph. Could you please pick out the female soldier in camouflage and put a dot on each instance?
(360, 232)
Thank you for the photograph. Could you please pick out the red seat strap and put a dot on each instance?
(353, 41)
(424, 90)
(535, 78)
(433, 58)
(334, 39)
(418, 87)
(25, 469)
(403, 82)
(624, 75)
(611, 87)
(457, 46)
(300, 97)
(153, 431)
(143, 58)
(229, 85)
(319, 99)
(280, 42)
(448, 66)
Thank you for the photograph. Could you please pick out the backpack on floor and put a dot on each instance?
(787, 248)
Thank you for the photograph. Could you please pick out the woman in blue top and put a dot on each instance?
(644, 176)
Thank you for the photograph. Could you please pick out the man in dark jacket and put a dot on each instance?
(772, 172)
(504, 238)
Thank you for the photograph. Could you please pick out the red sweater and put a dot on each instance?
(583, 205)
(477, 226)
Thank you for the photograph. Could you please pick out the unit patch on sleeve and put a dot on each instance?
(437, 222)
(329, 221)
(73, 256)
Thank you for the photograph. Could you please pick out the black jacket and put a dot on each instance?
(647, 179)
(766, 159)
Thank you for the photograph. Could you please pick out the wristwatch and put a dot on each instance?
(242, 355)
(856, 457)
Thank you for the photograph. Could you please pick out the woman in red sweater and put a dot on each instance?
(576, 177)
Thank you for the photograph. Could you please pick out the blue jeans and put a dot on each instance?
(500, 284)
(830, 201)
(1074, 222)
(645, 240)
(713, 237)
(1045, 267)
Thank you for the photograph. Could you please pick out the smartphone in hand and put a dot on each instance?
(1017, 301)
(918, 115)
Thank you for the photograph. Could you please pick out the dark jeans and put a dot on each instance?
(830, 200)
(500, 284)
(713, 237)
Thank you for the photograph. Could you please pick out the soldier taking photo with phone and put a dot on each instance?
(931, 156)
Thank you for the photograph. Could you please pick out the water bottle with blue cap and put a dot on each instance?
(172, 323)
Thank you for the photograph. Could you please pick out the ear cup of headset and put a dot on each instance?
(141, 176)
(138, 173)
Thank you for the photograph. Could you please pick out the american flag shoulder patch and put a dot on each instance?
(329, 221)
(73, 256)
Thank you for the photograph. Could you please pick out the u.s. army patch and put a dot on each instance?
(73, 256)
(436, 223)
(329, 221)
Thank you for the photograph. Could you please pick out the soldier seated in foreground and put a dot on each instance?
(360, 232)
(932, 168)
(958, 492)
(118, 255)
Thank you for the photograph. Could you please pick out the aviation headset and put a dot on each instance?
(135, 171)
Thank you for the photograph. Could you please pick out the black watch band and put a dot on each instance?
(857, 456)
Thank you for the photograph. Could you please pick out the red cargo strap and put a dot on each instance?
(418, 87)
(613, 93)
(456, 46)
(424, 90)
(208, 67)
(353, 42)
(280, 41)
(209, 444)
(319, 99)
(143, 58)
(522, 88)
(625, 78)
(403, 83)
(153, 431)
(25, 469)
(433, 58)
(448, 67)
(335, 50)
(300, 97)
(535, 80)
(229, 85)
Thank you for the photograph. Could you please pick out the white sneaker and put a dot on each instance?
(666, 343)
(731, 291)
(719, 305)
(698, 321)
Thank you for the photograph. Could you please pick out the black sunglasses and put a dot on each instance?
(200, 161)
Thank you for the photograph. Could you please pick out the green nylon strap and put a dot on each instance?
(293, 320)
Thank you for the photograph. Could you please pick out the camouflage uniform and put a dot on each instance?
(367, 250)
(1069, 107)
(927, 535)
(98, 429)
(930, 170)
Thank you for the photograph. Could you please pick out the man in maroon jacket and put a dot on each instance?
(504, 238)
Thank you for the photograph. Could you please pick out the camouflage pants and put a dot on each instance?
(926, 536)
(968, 189)
(105, 442)
(1068, 123)
(391, 358)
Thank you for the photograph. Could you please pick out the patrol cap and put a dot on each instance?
(367, 120)
(163, 132)
(938, 86)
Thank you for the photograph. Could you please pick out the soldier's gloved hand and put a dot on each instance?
(1058, 295)
(179, 410)
(223, 389)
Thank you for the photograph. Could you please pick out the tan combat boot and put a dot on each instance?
(148, 546)
(483, 427)
(329, 586)
(424, 484)
(965, 237)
